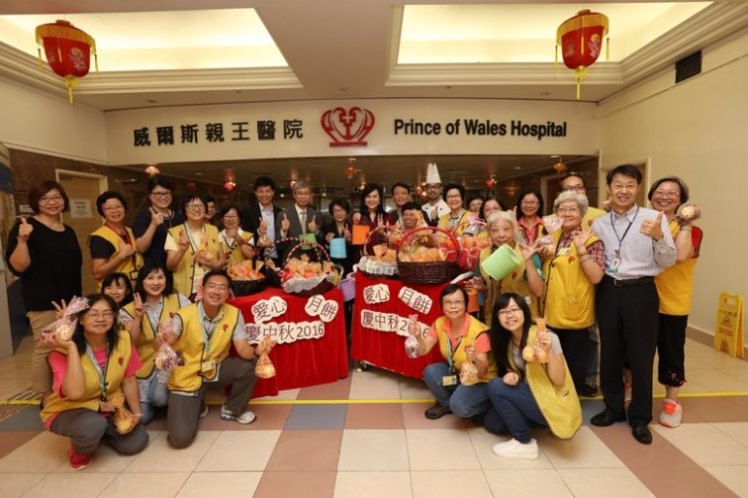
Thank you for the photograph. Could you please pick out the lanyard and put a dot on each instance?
(620, 239)
(154, 324)
(102, 373)
(206, 337)
(450, 361)
(190, 235)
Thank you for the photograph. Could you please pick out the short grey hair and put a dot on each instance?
(572, 196)
(301, 184)
(504, 216)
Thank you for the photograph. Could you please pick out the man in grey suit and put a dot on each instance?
(297, 220)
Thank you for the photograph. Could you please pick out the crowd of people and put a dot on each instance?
(616, 283)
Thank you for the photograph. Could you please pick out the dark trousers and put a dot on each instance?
(576, 345)
(184, 411)
(671, 343)
(628, 321)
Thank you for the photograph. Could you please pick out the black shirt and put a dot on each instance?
(156, 253)
(55, 270)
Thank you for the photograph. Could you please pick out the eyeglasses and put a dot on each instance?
(510, 311)
(116, 207)
(161, 195)
(53, 198)
(453, 304)
(667, 193)
(101, 314)
(567, 210)
(574, 188)
(195, 207)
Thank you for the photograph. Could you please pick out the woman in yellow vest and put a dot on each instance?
(458, 218)
(193, 248)
(238, 245)
(112, 245)
(525, 280)
(155, 302)
(461, 338)
(571, 271)
(675, 288)
(539, 391)
(98, 363)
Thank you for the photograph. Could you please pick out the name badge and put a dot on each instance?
(614, 264)
(564, 251)
(449, 380)
(207, 366)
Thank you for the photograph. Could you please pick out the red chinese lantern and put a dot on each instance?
(581, 40)
(491, 182)
(68, 51)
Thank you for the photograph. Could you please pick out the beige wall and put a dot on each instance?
(697, 130)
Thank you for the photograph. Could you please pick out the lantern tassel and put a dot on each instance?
(70, 82)
(96, 61)
(555, 59)
(39, 57)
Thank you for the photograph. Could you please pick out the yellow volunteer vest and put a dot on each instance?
(131, 265)
(590, 216)
(462, 224)
(234, 253)
(115, 373)
(675, 284)
(514, 282)
(569, 296)
(475, 328)
(144, 344)
(559, 404)
(188, 377)
(185, 271)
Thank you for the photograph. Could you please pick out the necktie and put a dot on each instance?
(302, 218)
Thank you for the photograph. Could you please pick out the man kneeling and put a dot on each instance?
(202, 335)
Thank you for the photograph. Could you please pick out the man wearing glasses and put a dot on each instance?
(202, 334)
(638, 247)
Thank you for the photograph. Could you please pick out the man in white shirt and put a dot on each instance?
(638, 246)
(436, 206)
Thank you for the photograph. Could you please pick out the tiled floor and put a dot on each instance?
(366, 436)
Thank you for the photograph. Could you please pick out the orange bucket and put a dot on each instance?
(360, 232)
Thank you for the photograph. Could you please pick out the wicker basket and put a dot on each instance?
(385, 270)
(248, 287)
(431, 273)
(305, 286)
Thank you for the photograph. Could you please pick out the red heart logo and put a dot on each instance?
(514, 275)
(347, 126)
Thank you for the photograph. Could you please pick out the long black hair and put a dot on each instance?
(111, 335)
(500, 337)
(117, 277)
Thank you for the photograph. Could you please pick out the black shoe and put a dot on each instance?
(641, 433)
(437, 411)
(589, 391)
(606, 418)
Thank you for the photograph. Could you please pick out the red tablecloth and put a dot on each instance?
(305, 362)
(386, 349)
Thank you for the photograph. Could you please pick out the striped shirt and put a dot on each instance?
(640, 255)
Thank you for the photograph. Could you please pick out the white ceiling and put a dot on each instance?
(175, 52)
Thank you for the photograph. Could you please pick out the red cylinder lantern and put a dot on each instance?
(68, 51)
(581, 40)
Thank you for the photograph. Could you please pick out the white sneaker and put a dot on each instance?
(671, 413)
(245, 418)
(515, 449)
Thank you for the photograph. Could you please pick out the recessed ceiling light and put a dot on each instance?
(545, 94)
(518, 167)
(198, 173)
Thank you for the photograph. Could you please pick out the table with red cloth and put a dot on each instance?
(386, 349)
(305, 362)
